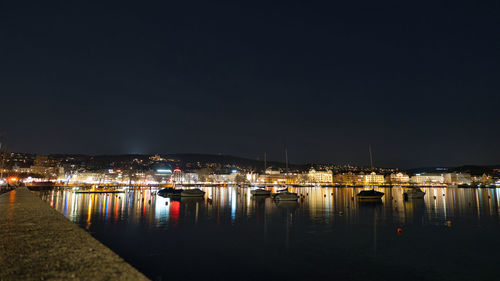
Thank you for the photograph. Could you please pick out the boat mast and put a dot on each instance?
(286, 159)
(286, 166)
(2, 155)
(265, 162)
(371, 158)
(371, 163)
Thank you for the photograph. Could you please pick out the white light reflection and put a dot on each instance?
(162, 210)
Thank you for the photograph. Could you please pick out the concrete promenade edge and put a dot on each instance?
(38, 243)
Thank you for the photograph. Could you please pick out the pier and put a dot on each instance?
(38, 243)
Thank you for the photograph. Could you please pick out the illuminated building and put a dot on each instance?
(223, 178)
(177, 175)
(86, 177)
(373, 179)
(457, 178)
(48, 172)
(252, 177)
(285, 178)
(347, 179)
(427, 179)
(272, 171)
(398, 179)
(190, 178)
(320, 176)
(163, 174)
(486, 180)
(46, 168)
(18, 169)
(157, 158)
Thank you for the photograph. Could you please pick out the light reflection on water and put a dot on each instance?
(326, 227)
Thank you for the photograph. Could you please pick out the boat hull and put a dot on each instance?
(466, 186)
(260, 192)
(287, 199)
(370, 197)
(170, 192)
(286, 196)
(193, 193)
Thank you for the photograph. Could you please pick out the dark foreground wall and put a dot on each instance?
(38, 243)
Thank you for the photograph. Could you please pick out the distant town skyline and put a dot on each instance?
(417, 81)
(276, 163)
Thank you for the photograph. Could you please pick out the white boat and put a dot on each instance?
(260, 192)
(414, 193)
(286, 196)
(192, 193)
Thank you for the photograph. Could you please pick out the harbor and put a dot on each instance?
(325, 229)
(250, 140)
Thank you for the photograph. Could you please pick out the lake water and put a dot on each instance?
(452, 234)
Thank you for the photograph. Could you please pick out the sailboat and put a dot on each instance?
(192, 193)
(260, 192)
(283, 194)
(414, 193)
(370, 194)
(286, 196)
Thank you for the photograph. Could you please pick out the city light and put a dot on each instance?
(164, 171)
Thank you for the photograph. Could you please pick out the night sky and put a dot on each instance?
(418, 81)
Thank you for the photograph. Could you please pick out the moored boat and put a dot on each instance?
(286, 196)
(467, 186)
(169, 192)
(414, 193)
(370, 195)
(279, 192)
(260, 192)
(192, 193)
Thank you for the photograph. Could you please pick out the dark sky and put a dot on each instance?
(418, 81)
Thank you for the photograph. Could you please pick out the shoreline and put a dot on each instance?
(37, 243)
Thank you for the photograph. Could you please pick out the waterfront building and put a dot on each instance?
(486, 180)
(46, 168)
(86, 177)
(271, 178)
(373, 179)
(457, 178)
(398, 179)
(190, 178)
(48, 172)
(177, 175)
(252, 177)
(222, 178)
(163, 174)
(348, 178)
(320, 176)
(284, 178)
(427, 179)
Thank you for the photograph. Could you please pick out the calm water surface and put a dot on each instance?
(452, 234)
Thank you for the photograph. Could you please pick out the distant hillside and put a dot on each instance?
(187, 160)
(222, 163)
(471, 169)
